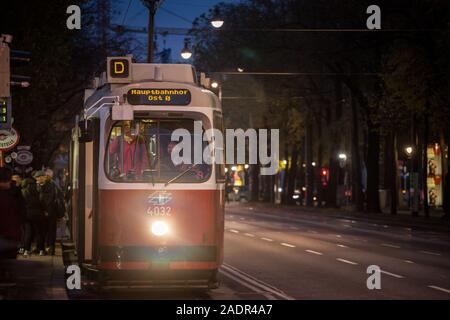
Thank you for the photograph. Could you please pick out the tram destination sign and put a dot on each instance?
(172, 97)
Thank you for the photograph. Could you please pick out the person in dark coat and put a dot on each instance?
(34, 217)
(51, 199)
(12, 210)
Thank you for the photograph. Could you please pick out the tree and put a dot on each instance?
(63, 62)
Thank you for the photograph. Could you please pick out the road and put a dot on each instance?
(280, 255)
(309, 256)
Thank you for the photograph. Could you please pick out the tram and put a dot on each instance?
(136, 218)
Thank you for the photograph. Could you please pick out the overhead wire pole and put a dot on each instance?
(152, 6)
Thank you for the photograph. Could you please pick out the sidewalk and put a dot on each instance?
(403, 218)
(33, 278)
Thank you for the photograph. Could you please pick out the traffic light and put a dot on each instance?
(324, 175)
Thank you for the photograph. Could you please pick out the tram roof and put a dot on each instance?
(155, 76)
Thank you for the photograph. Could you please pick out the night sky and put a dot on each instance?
(184, 12)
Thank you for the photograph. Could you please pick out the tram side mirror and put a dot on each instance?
(86, 131)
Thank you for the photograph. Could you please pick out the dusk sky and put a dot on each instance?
(184, 12)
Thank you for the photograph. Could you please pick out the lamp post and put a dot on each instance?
(216, 85)
(217, 21)
(409, 150)
(152, 6)
(186, 53)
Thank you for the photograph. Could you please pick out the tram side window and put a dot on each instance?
(139, 151)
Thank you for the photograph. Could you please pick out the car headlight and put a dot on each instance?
(160, 228)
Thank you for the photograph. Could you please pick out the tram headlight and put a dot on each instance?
(160, 228)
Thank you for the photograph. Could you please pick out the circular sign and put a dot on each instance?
(24, 157)
(9, 138)
(8, 159)
(13, 155)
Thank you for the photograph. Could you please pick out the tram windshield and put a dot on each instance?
(140, 151)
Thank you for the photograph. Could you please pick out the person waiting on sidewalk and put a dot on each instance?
(12, 212)
(52, 203)
(16, 185)
(34, 217)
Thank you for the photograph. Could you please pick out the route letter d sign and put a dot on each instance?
(119, 69)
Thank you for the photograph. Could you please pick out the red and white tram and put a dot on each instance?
(136, 217)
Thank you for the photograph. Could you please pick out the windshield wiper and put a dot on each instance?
(151, 175)
(180, 175)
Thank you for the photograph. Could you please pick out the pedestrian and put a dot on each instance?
(11, 211)
(34, 220)
(16, 181)
(52, 203)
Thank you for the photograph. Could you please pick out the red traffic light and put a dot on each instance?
(324, 172)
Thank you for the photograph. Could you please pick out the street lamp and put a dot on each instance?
(342, 159)
(217, 23)
(409, 151)
(186, 53)
(215, 85)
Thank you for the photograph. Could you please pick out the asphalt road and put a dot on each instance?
(274, 255)
(309, 256)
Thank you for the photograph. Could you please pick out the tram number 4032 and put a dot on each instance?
(159, 211)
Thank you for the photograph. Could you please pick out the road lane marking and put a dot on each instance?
(432, 253)
(293, 228)
(249, 234)
(346, 261)
(338, 236)
(390, 245)
(342, 246)
(375, 225)
(267, 239)
(242, 218)
(392, 274)
(249, 280)
(268, 296)
(287, 245)
(234, 231)
(347, 225)
(314, 252)
(385, 226)
(409, 261)
(439, 288)
(313, 231)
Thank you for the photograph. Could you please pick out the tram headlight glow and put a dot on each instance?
(160, 228)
